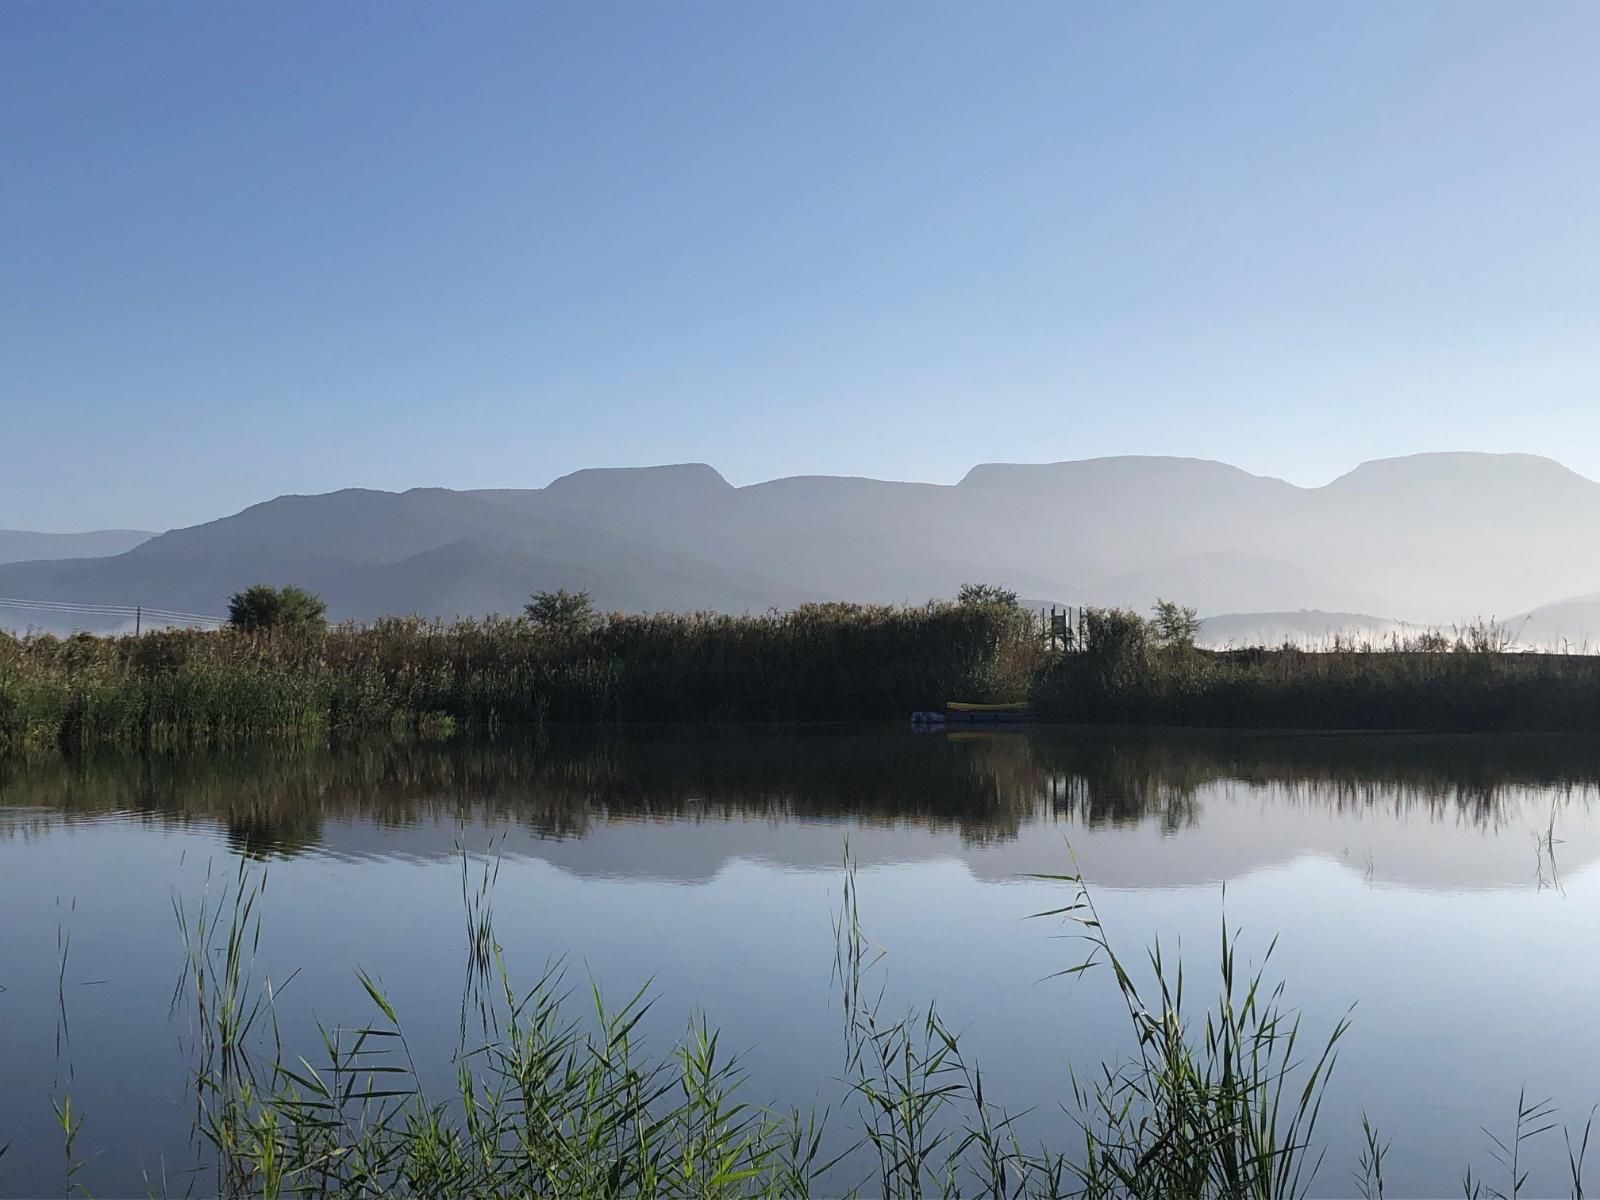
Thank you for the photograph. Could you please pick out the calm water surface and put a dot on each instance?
(1414, 878)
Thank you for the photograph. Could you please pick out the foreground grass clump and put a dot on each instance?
(549, 1102)
(553, 1099)
(1473, 683)
(554, 1093)
(818, 662)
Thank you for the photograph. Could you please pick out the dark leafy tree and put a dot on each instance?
(1117, 643)
(986, 593)
(1174, 624)
(262, 606)
(562, 611)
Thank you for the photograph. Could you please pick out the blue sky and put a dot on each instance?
(255, 249)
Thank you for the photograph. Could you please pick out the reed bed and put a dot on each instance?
(818, 662)
(831, 662)
(1476, 682)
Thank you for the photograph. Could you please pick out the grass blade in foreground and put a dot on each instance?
(551, 1101)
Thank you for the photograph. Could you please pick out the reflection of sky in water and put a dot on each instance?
(1392, 882)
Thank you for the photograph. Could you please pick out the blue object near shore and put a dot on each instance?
(971, 718)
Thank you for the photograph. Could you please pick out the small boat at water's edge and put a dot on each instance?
(959, 712)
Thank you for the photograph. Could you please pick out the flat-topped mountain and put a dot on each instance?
(1428, 538)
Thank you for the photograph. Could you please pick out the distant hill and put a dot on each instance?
(1567, 625)
(1432, 539)
(19, 545)
(1310, 630)
(1228, 581)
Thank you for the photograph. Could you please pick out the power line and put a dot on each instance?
(71, 606)
(155, 613)
(130, 611)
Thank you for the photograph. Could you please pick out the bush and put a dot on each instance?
(1174, 625)
(263, 607)
(562, 611)
(986, 593)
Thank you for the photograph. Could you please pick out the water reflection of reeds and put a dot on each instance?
(984, 787)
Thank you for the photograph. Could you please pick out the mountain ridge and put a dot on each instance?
(1430, 538)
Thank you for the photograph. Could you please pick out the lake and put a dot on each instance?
(1447, 888)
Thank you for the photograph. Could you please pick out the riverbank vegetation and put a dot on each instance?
(1134, 671)
(269, 676)
(824, 662)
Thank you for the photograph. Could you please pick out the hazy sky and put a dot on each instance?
(254, 249)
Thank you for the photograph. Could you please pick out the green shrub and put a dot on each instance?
(262, 606)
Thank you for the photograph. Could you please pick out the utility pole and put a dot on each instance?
(138, 618)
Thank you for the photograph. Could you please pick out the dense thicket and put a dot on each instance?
(1467, 684)
(818, 662)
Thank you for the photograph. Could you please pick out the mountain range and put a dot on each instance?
(1427, 539)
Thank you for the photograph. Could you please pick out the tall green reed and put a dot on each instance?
(1475, 683)
(556, 1094)
(819, 662)
(1230, 1111)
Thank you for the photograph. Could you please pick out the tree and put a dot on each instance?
(986, 593)
(1116, 644)
(1174, 624)
(562, 611)
(262, 606)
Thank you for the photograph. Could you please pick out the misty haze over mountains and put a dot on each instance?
(1428, 539)
(18, 545)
